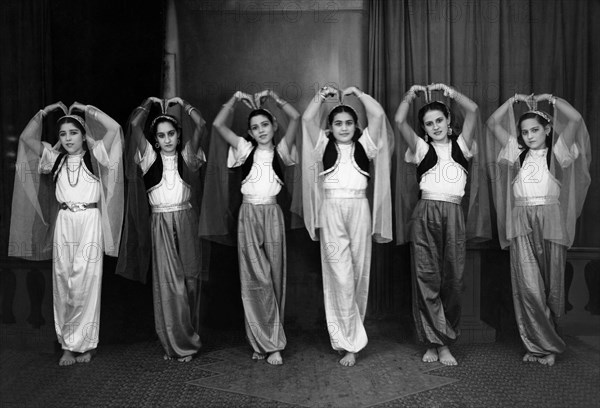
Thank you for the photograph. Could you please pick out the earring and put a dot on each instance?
(449, 131)
(178, 141)
(427, 138)
(157, 145)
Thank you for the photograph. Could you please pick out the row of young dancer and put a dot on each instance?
(539, 182)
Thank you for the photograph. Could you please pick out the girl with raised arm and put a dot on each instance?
(261, 227)
(83, 172)
(541, 179)
(437, 226)
(339, 162)
(169, 158)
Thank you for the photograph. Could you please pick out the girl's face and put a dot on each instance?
(436, 125)
(343, 127)
(71, 138)
(534, 134)
(262, 130)
(167, 138)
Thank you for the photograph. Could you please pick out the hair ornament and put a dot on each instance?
(345, 106)
(543, 114)
(262, 108)
(75, 117)
(164, 117)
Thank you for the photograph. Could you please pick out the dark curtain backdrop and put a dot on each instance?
(109, 54)
(489, 50)
(103, 53)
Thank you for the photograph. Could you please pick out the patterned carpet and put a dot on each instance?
(311, 376)
(389, 373)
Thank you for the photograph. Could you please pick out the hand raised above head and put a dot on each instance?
(418, 88)
(352, 90)
(63, 107)
(542, 97)
(329, 92)
(78, 106)
(261, 97)
(245, 98)
(55, 106)
(175, 101)
(411, 94)
(531, 101)
(437, 87)
(155, 99)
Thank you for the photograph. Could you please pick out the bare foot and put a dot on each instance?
(185, 359)
(275, 358)
(529, 358)
(547, 360)
(258, 356)
(430, 356)
(348, 360)
(67, 359)
(446, 358)
(85, 357)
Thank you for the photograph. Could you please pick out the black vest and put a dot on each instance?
(62, 159)
(154, 174)
(277, 166)
(331, 157)
(431, 159)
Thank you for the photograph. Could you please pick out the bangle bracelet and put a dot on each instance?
(143, 108)
(361, 95)
(228, 106)
(515, 100)
(552, 100)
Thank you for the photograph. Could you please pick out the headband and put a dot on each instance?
(542, 114)
(266, 110)
(74, 117)
(164, 117)
(345, 106)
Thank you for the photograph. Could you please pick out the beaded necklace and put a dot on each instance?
(76, 170)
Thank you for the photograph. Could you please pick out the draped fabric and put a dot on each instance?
(569, 168)
(34, 204)
(136, 245)
(381, 132)
(24, 74)
(488, 51)
(37, 67)
(218, 217)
